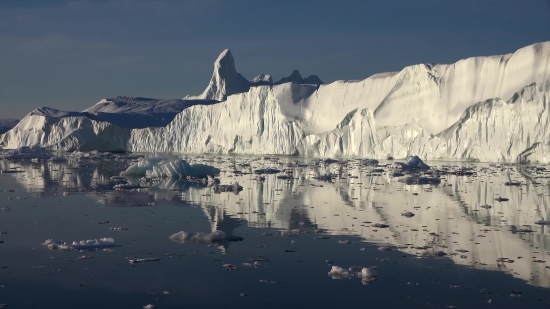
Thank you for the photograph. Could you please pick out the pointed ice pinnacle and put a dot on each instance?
(225, 80)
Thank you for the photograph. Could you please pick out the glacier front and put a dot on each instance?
(482, 108)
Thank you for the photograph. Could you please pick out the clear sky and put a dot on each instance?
(70, 54)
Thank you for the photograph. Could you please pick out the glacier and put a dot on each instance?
(489, 108)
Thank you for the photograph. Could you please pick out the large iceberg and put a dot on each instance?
(481, 108)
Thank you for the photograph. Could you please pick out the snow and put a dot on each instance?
(80, 245)
(480, 108)
(137, 112)
(262, 79)
(33, 152)
(6, 124)
(169, 167)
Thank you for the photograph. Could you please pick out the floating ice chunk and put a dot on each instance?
(412, 163)
(81, 245)
(149, 306)
(33, 152)
(367, 274)
(169, 167)
(203, 238)
(143, 260)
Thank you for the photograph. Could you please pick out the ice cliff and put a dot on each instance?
(482, 108)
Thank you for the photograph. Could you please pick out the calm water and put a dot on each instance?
(448, 218)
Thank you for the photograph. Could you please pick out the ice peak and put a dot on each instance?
(225, 80)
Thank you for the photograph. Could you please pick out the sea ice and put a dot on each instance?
(81, 245)
(33, 152)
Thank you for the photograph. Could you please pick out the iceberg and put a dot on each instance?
(491, 108)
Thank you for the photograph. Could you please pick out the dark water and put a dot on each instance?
(295, 273)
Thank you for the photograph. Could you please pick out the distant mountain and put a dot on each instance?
(296, 78)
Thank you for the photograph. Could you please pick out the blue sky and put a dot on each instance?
(70, 54)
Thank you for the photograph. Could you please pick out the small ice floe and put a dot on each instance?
(100, 222)
(322, 237)
(384, 248)
(145, 260)
(85, 257)
(149, 306)
(203, 238)
(344, 242)
(367, 274)
(407, 214)
(230, 266)
(119, 229)
(81, 245)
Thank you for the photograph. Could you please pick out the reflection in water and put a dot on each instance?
(459, 217)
